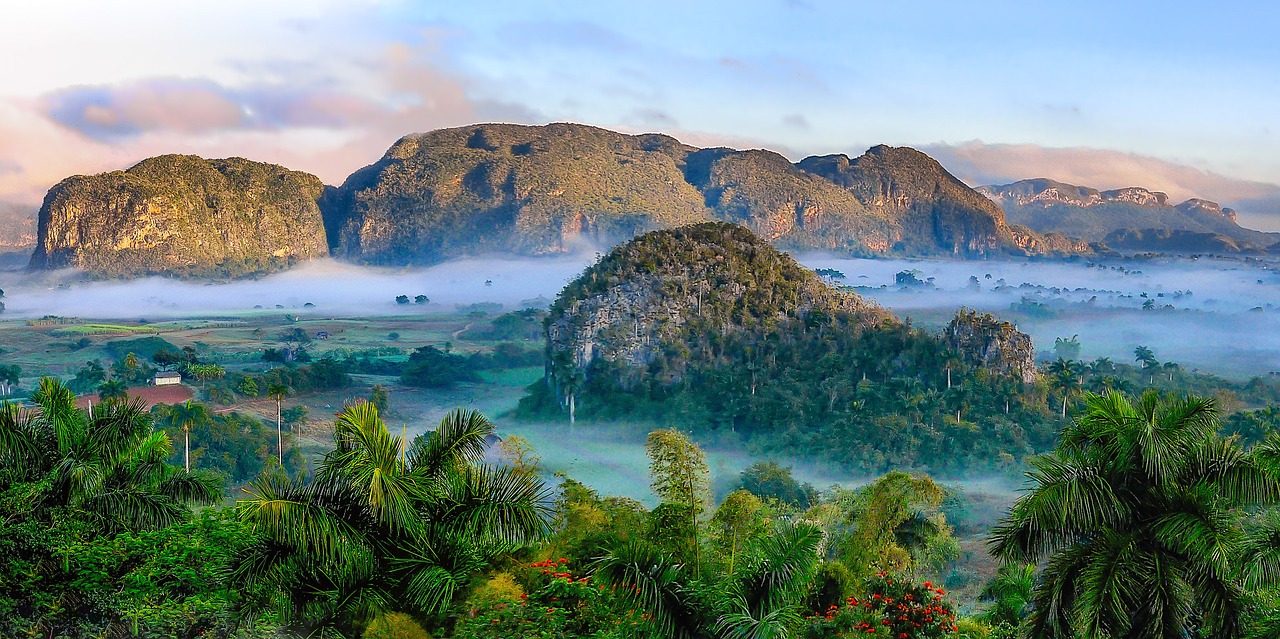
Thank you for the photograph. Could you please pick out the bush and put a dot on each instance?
(894, 607)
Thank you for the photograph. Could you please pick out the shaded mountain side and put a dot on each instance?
(184, 216)
(1165, 240)
(545, 189)
(1048, 206)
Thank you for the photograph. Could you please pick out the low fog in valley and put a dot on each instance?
(1217, 314)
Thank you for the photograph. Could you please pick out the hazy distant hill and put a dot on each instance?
(543, 189)
(182, 215)
(1137, 217)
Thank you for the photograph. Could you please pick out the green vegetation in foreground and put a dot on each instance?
(1147, 523)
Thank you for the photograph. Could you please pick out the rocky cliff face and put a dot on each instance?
(526, 190)
(985, 341)
(547, 189)
(182, 216)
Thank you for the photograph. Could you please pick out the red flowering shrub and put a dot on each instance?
(561, 604)
(894, 608)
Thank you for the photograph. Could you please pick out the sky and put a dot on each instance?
(1182, 97)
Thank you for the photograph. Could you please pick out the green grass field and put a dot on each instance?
(101, 329)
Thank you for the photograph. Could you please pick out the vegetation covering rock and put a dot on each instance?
(547, 189)
(185, 216)
(709, 327)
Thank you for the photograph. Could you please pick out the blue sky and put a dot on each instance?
(1177, 96)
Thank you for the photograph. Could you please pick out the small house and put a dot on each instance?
(165, 378)
(322, 334)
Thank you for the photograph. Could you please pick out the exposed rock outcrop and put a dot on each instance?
(983, 340)
(548, 189)
(184, 216)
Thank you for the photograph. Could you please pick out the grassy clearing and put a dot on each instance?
(101, 329)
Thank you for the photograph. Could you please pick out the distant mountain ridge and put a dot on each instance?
(1132, 218)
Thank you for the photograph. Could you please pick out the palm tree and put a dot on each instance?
(1063, 376)
(1010, 592)
(1139, 513)
(112, 389)
(188, 415)
(1147, 358)
(107, 464)
(378, 530)
(760, 600)
(278, 392)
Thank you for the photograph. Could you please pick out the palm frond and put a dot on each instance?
(459, 439)
(652, 581)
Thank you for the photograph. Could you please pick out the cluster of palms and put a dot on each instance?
(384, 526)
(107, 464)
(1071, 378)
(1151, 523)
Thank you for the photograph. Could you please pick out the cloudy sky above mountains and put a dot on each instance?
(1174, 96)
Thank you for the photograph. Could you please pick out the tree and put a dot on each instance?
(378, 397)
(762, 599)
(277, 392)
(1010, 593)
(771, 480)
(1064, 376)
(569, 378)
(84, 498)
(1067, 348)
(188, 415)
(108, 465)
(9, 376)
(380, 529)
(680, 477)
(1147, 358)
(520, 455)
(421, 299)
(402, 299)
(248, 387)
(738, 520)
(112, 389)
(1138, 512)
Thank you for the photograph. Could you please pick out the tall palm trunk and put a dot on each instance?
(279, 437)
(186, 447)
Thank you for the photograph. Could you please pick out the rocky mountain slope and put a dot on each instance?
(544, 189)
(1139, 218)
(184, 216)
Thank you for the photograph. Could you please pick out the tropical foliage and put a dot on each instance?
(1141, 513)
(384, 526)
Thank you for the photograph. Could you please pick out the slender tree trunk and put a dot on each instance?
(186, 454)
(572, 411)
(948, 378)
(1064, 406)
(279, 437)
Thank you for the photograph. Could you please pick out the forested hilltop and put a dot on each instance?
(710, 327)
